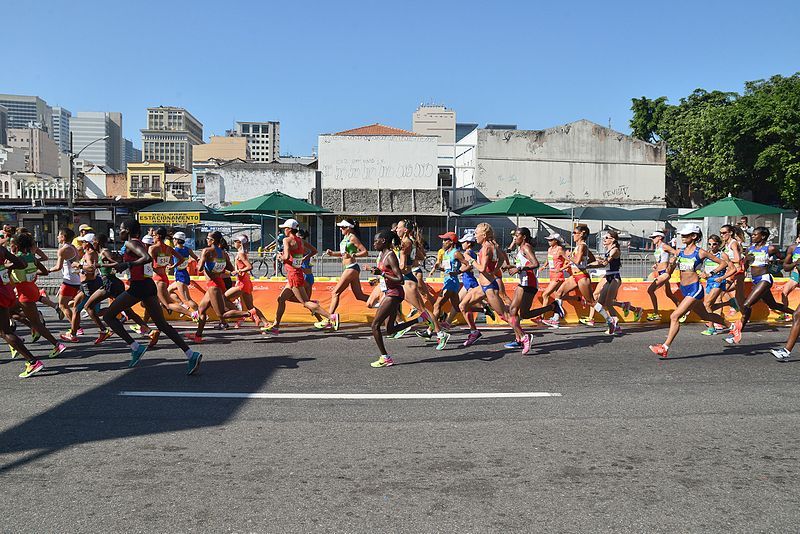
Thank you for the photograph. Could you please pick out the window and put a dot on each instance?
(245, 128)
(156, 185)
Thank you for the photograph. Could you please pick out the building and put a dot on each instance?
(222, 148)
(60, 128)
(178, 186)
(221, 183)
(432, 119)
(145, 179)
(27, 111)
(3, 126)
(580, 163)
(95, 180)
(88, 129)
(12, 159)
(41, 153)
(263, 140)
(117, 185)
(29, 185)
(132, 154)
(170, 136)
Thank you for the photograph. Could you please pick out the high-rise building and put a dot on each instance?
(132, 154)
(170, 135)
(60, 128)
(436, 120)
(263, 139)
(3, 126)
(26, 111)
(41, 153)
(87, 126)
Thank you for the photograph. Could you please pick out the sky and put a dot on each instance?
(323, 67)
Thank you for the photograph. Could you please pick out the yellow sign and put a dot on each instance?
(366, 222)
(168, 218)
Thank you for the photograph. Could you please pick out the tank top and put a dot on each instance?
(162, 260)
(385, 283)
(584, 262)
(796, 253)
(661, 255)
(450, 264)
(138, 272)
(296, 254)
(709, 265)
(469, 276)
(104, 271)
(347, 247)
(5, 274)
(491, 263)
(554, 263)
(29, 272)
(183, 252)
(214, 268)
(521, 261)
(614, 264)
(760, 255)
(69, 275)
(243, 277)
(689, 262)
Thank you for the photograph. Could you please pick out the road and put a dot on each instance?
(706, 441)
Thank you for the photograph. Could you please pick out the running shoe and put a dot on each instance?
(67, 336)
(787, 317)
(238, 323)
(444, 325)
(513, 345)
(683, 318)
(105, 334)
(322, 325)
(425, 316)
(653, 316)
(586, 321)
(472, 338)
(489, 312)
(710, 331)
(194, 338)
(31, 368)
(781, 354)
(136, 328)
(637, 314)
(383, 361)
(80, 332)
(442, 339)
(195, 315)
(552, 323)
(736, 333)
(13, 352)
(58, 349)
(660, 351)
(271, 330)
(254, 316)
(558, 309)
(401, 333)
(424, 334)
(194, 363)
(136, 355)
(153, 335)
(35, 336)
(222, 326)
(626, 308)
(618, 330)
(526, 344)
(612, 326)
(335, 321)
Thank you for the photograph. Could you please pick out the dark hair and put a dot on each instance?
(216, 237)
(223, 244)
(356, 229)
(389, 237)
(762, 230)
(68, 233)
(526, 234)
(161, 232)
(715, 238)
(23, 240)
(582, 228)
(303, 234)
(133, 227)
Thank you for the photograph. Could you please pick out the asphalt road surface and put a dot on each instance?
(706, 441)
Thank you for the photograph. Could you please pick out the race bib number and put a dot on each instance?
(219, 266)
(148, 270)
(686, 264)
(5, 277)
(183, 265)
(382, 284)
(447, 265)
(164, 261)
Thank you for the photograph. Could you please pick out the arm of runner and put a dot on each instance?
(242, 257)
(39, 253)
(362, 250)
(15, 261)
(59, 260)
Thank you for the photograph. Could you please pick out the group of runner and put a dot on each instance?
(472, 267)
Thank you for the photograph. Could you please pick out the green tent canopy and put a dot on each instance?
(516, 205)
(732, 207)
(272, 204)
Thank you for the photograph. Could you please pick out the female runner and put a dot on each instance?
(89, 283)
(525, 268)
(350, 248)
(244, 285)
(165, 256)
(733, 239)
(142, 289)
(689, 259)
(183, 279)
(716, 281)
(9, 262)
(607, 298)
(662, 271)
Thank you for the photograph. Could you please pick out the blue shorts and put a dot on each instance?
(662, 271)
(763, 278)
(795, 276)
(469, 281)
(716, 283)
(451, 283)
(494, 285)
(309, 278)
(183, 276)
(694, 291)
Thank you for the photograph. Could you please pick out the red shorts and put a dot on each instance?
(580, 275)
(295, 277)
(557, 276)
(245, 284)
(7, 298)
(27, 292)
(158, 277)
(217, 282)
(69, 291)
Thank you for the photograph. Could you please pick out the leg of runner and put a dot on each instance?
(493, 297)
(784, 353)
(32, 365)
(36, 324)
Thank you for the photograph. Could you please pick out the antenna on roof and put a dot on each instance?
(609, 123)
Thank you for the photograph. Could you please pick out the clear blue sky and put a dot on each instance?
(321, 67)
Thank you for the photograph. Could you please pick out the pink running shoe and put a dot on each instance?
(526, 344)
(472, 338)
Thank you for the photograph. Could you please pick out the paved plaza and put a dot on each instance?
(623, 442)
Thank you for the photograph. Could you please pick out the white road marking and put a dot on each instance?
(338, 396)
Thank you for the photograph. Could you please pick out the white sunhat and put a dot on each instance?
(242, 238)
(687, 229)
(555, 236)
(148, 240)
(657, 233)
(179, 236)
(344, 224)
(89, 238)
(290, 223)
(469, 236)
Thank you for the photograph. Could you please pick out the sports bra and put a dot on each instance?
(661, 255)
(690, 262)
(614, 264)
(491, 263)
(760, 255)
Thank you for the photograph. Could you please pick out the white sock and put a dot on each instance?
(599, 309)
(134, 345)
(189, 352)
(440, 334)
(666, 347)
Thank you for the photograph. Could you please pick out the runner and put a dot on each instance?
(485, 266)
(350, 249)
(451, 265)
(391, 283)
(662, 271)
(557, 267)
(24, 281)
(716, 281)
(790, 264)
(70, 277)
(758, 260)
(612, 280)
(244, 285)
(164, 256)
(8, 262)
(689, 260)
(732, 239)
(89, 284)
(183, 279)
(142, 289)
(292, 256)
(308, 277)
(525, 269)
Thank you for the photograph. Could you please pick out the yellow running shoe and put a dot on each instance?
(383, 361)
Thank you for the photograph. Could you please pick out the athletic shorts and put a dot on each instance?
(395, 293)
(494, 285)
(451, 283)
(245, 284)
(763, 278)
(694, 291)
(469, 282)
(557, 276)
(227, 282)
(183, 276)
(295, 278)
(7, 298)
(160, 278)
(795, 276)
(113, 286)
(68, 290)
(217, 282)
(580, 275)
(527, 280)
(716, 283)
(410, 277)
(28, 292)
(418, 270)
(90, 286)
(611, 277)
(356, 267)
(309, 278)
(142, 289)
(662, 271)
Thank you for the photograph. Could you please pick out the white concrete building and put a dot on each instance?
(263, 140)
(94, 180)
(223, 183)
(170, 136)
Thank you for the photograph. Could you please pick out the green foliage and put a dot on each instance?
(720, 143)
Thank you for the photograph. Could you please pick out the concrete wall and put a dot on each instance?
(383, 202)
(378, 162)
(580, 162)
(95, 184)
(241, 181)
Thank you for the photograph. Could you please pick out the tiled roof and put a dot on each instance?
(376, 129)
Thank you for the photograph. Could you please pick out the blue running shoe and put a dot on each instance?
(513, 345)
(194, 362)
(136, 355)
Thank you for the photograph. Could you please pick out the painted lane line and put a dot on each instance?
(337, 396)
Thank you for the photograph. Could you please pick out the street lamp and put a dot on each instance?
(72, 158)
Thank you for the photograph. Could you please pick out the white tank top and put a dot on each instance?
(70, 275)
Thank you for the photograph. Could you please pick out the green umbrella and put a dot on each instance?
(517, 205)
(732, 207)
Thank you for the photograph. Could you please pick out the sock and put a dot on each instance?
(440, 334)
(666, 347)
(189, 352)
(599, 309)
(134, 345)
